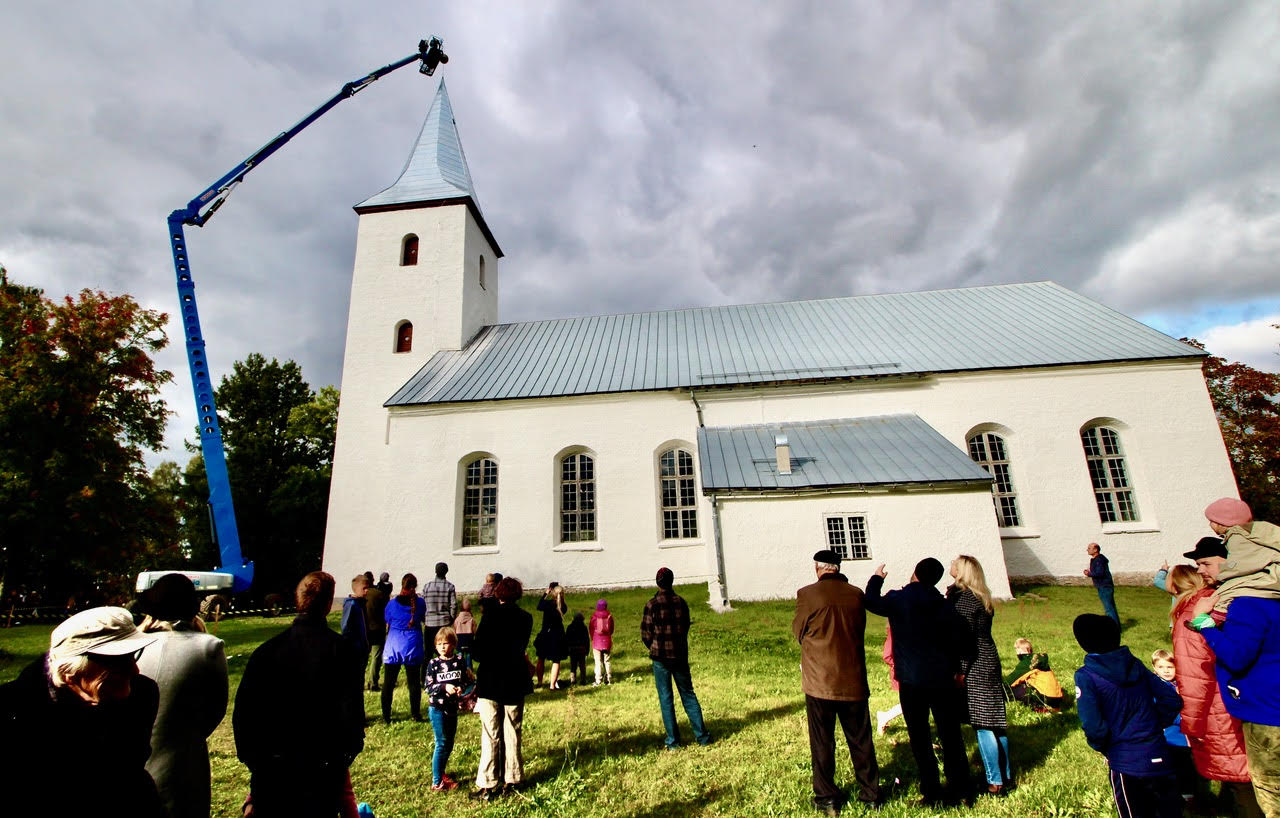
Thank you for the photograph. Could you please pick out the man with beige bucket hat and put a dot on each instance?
(76, 723)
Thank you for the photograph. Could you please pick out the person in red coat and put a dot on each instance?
(1217, 742)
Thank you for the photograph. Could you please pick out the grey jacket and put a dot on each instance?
(190, 669)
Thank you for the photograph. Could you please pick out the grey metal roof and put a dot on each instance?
(865, 451)
(996, 327)
(437, 167)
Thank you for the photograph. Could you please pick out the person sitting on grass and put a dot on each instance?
(446, 677)
(1031, 681)
(1124, 708)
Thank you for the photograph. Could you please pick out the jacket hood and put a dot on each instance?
(1118, 666)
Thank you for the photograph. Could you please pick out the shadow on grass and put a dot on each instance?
(1030, 745)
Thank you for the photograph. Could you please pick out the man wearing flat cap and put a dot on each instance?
(80, 717)
(929, 638)
(830, 623)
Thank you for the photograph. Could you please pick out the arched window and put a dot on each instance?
(409, 251)
(1109, 473)
(480, 503)
(578, 498)
(404, 336)
(679, 495)
(988, 450)
(482, 272)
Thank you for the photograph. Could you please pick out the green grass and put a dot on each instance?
(598, 751)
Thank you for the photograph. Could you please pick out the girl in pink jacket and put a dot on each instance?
(601, 630)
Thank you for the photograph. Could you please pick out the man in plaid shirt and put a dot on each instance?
(664, 629)
(442, 607)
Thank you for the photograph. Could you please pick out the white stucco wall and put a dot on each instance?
(769, 542)
(396, 493)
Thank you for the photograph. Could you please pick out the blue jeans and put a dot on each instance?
(444, 724)
(994, 750)
(663, 674)
(1107, 594)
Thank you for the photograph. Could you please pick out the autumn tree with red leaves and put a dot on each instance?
(1247, 402)
(79, 403)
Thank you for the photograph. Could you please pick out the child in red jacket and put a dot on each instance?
(602, 640)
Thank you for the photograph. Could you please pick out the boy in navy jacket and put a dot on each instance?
(1124, 708)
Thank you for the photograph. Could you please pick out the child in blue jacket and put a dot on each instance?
(1124, 708)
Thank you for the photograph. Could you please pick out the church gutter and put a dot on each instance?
(723, 604)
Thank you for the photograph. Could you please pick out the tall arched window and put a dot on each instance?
(679, 495)
(404, 336)
(988, 450)
(482, 272)
(1109, 474)
(480, 503)
(409, 251)
(578, 498)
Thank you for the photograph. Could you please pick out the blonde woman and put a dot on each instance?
(550, 642)
(983, 685)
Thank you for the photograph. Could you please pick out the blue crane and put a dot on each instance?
(236, 574)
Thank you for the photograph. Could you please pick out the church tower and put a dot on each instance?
(425, 279)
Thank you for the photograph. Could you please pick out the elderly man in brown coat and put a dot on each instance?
(830, 623)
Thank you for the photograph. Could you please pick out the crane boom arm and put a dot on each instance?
(198, 212)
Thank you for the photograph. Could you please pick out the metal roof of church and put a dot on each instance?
(1005, 326)
(887, 449)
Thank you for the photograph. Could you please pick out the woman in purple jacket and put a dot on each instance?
(404, 615)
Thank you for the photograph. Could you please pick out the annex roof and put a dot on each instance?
(868, 451)
(436, 172)
(995, 327)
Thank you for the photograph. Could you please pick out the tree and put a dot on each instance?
(279, 438)
(79, 403)
(1247, 402)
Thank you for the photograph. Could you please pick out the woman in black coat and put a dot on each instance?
(502, 682)
(983, 685)
(550, 644)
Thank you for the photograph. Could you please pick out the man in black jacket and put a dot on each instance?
(299, 717)
(929, 638)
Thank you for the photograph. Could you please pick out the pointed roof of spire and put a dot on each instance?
(436, 172)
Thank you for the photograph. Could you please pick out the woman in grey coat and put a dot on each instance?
(190, 668)
(983, 684)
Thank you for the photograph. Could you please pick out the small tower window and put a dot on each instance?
(409, 251)
(482, 273)
(404, 336)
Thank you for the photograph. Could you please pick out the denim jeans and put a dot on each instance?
(994, 750)
(663, 675)
(1107, 594)
(444, 724)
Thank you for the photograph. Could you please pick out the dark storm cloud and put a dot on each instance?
(634, 157)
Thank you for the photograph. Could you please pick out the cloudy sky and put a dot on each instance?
(657, 155)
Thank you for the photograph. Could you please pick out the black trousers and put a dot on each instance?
(412, 677)
(297, 792)
(1146, 797)
(855, 721)
(944, 703)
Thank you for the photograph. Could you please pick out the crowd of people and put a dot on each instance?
(140, 693)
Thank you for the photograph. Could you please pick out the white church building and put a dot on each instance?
(1015, 423)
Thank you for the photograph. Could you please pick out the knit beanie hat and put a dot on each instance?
(1228, 512)
(1096, 633)
(665, 578)
(929, 571)
(602, 605)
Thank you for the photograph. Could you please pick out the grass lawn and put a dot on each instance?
(598, 751)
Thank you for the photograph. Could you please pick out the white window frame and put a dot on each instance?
(682, 484)
(1004, 496)
(848, 533)
(583, 490)
(486, 518)
(1109, 475)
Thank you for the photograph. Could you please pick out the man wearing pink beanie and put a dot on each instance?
(1252, 567)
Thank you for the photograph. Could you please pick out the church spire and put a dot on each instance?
(436, 172)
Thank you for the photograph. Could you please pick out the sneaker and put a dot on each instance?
(445, 785)
(448, 779)
(484, 794)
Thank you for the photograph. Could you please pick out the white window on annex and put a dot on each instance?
(679, 495)
(1112, 489)
(847, 536)
(578, 498)
(480, 503)
(988, 450)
